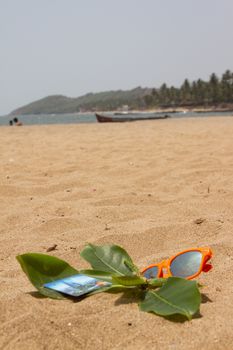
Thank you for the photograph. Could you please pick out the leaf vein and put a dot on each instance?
(170, 304)
(104, 262)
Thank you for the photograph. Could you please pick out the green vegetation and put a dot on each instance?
(217, 92)
(164, 297)
(110, 100)
(42, 268)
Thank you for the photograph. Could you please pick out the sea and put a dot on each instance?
(77, 118)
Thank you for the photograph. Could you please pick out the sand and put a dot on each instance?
(140, 185)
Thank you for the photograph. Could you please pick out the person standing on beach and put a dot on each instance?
(10, 122)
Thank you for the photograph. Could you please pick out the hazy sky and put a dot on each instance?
(72, 47)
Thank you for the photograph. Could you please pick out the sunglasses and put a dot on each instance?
(186, 264)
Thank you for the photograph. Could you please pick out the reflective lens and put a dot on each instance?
(152, 272)
(186, 264)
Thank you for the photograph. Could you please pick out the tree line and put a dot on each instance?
(216, 91)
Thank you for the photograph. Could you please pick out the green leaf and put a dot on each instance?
(129, 280)
(104, 276)
(177, 296)
(132, 267)
(43, 268)
(157, 282)
(109, 258)
(101, 290)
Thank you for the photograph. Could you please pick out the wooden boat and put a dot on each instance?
(125, 113)
(106, 119)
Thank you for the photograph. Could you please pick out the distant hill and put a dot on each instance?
(215, 94)
(109, 100)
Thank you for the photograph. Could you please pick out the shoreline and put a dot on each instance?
(200, 109)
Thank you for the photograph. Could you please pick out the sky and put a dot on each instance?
(73, 47)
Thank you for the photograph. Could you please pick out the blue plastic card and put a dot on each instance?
(77, 285)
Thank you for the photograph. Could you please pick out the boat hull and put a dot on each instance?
(111, 119)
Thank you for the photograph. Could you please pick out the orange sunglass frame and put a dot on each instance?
(165, 264)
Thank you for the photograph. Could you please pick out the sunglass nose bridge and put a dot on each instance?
(165, 268)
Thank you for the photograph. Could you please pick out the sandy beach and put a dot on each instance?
(140, 185)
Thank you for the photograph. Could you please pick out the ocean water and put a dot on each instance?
(77, 118)
(39, 119)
